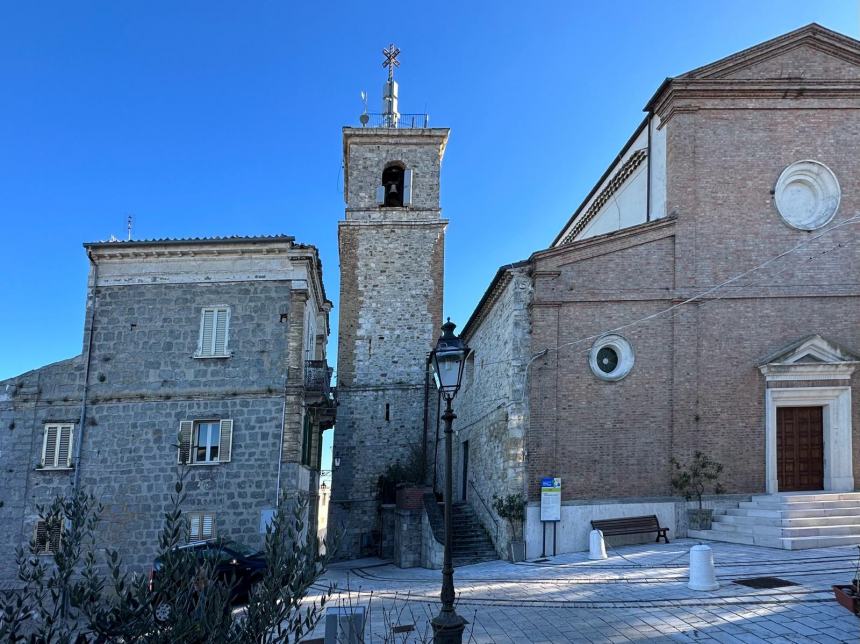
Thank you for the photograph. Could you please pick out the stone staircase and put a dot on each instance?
(470, 542)
(791, 521)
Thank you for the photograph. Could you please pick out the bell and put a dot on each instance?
(392, 190)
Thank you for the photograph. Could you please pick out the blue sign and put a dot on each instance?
(547, 482)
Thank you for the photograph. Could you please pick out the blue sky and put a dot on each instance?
(217, 118)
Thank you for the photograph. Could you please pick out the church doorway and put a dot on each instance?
(800, 448)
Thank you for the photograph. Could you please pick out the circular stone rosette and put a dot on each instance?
(807, 195)
(611, 357)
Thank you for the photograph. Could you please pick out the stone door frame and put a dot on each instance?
(836, 412)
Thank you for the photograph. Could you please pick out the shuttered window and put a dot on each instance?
(205, 441)
(57, 445)
(214, 324)
(47, 535)
(201, 525)
(307, 441)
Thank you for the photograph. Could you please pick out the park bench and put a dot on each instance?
(631, 525)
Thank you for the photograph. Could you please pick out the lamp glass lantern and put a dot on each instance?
(449, 356)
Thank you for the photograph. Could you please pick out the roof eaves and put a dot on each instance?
(170, 241)
(601, 180)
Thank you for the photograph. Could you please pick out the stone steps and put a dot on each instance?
(789, 521)
(471, 544)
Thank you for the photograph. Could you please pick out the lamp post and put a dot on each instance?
(448, 358)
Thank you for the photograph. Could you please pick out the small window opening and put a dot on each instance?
(392, 181)
(387, 412)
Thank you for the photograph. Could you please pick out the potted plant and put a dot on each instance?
(849, 596)
(512, 508)
(692, 481)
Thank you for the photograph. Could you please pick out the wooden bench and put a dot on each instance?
(631, 525)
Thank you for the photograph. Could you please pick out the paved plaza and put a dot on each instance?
(638, 594)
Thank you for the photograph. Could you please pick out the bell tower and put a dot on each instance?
(391, 245)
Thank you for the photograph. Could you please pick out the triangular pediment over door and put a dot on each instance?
(808, 373)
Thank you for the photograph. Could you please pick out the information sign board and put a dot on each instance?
(550, 499)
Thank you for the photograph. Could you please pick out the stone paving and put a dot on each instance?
(639, 593)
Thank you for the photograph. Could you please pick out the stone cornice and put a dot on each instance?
(808, 371)
(682, 95)
(612, 241)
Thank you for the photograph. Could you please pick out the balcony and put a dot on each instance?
(318, 378)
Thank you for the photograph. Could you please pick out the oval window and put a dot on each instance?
(611, 357)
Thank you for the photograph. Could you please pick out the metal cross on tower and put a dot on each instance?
(391, 59)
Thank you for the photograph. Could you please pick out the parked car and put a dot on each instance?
(235, 565)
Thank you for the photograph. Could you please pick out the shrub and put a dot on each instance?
(691, 481)
(69, 597)
(512, 508)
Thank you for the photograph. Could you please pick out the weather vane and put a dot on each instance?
(391, 59)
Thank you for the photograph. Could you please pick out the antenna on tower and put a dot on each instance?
(128, 225)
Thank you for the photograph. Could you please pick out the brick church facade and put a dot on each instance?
(704, 296)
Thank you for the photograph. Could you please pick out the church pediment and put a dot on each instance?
(808, 53)
(812, 357)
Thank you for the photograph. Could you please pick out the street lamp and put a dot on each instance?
(448, 359)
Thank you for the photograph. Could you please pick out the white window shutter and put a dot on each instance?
(49, 451)
(194, 527)
(220, 346)
(64, 446)
(208, 526)
(225, 447)
(407, 188)
(183, 455)
(207, 332)
(380, 195)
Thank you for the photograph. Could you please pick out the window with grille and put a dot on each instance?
(214, 326)
(57, 445)
(47, 535)
(205, 442)
(201, 525)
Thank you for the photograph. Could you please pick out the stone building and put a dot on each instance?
(391, 246)
(704, 296)
(208, 353)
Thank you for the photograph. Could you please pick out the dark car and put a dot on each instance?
(235, 565)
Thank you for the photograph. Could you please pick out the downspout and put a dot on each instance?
(648, 161)
(281, 446)
(78, 443)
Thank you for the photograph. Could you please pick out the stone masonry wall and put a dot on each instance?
(390, 313)
(492, 407)
(144, 380)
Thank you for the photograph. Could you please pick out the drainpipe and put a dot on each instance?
(281, 446)
(648, 161)
(76, 478)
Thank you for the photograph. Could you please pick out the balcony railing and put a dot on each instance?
(318, 377)
(398, 121)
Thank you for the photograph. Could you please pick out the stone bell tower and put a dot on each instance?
(391, 263)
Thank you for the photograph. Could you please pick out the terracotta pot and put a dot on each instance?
(846, 596)
(411, 497)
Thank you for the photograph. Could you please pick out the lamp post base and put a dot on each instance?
(448, 628)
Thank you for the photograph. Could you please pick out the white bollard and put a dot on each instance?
(702, 575)
(596, 547)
